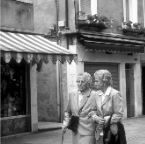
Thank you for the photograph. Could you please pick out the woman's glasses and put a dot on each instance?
(79, 81)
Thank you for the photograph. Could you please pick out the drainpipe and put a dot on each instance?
(59, 92)
(66, 12)
(67, 22)
(144, 11)
(57, 16)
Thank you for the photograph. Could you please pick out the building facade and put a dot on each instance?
(30, 67)
(104, 36)
(108, 36)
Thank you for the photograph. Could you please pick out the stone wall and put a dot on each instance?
(44, 15)
(47, 93)
(16, 15)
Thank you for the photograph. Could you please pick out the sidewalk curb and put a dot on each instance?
(125, 119)
(29, 133)
(49, 129)
(17, 135)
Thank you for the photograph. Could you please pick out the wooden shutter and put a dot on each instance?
(140, 11)
(127, 10)
(86, 6)
(143, 88)
(113, 68)
(130, 93)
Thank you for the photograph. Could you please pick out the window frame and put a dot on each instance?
(93, 3)
(133, 11)
(93, 9)
(129, 11)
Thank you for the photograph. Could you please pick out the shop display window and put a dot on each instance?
(13, 88)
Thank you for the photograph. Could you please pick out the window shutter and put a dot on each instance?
(127, 10)
(141, 11)
(86, 6)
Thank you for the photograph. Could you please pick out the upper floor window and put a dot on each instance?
(133, 11)
(130, 10)
(88, 6)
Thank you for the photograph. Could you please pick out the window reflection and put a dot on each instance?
(13, 99)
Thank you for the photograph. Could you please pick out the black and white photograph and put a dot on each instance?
(72, 71)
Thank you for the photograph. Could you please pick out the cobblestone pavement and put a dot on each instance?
(135, 130)
(135, 133)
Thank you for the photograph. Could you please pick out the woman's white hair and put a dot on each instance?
(88, 78)
(105, 76)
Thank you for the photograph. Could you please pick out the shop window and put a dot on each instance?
(88, 6)
(13, 88)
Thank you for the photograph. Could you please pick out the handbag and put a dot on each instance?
(73, 123)
(107, 138)
(120, 138)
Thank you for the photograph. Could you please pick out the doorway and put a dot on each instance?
(143, 88)
(130, 90)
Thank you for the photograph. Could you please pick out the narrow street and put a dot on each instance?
(135, 133)
(51, 48)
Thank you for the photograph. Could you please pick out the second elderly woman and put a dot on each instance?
(109, 105)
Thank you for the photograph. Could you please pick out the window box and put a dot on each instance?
(93, 22)
(132, 29)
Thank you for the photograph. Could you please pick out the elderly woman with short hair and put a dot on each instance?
(79, 105)
(109, 105)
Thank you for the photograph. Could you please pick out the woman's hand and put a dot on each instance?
(98, 120)
(65, 121)
(64, 126)
(91, 114)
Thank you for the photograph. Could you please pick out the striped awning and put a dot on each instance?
(32, 48)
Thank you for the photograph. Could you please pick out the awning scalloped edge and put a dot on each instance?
(35, 57)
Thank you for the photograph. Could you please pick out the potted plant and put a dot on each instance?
(133, 29)
(94, 21)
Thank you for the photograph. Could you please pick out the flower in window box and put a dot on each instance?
(103, 19)
(90, 17)
(131, 28)
(136, 26)
(94, 22)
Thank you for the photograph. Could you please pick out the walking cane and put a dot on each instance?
(62, 137)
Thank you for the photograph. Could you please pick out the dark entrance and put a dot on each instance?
(143, 88)
(130, 90)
